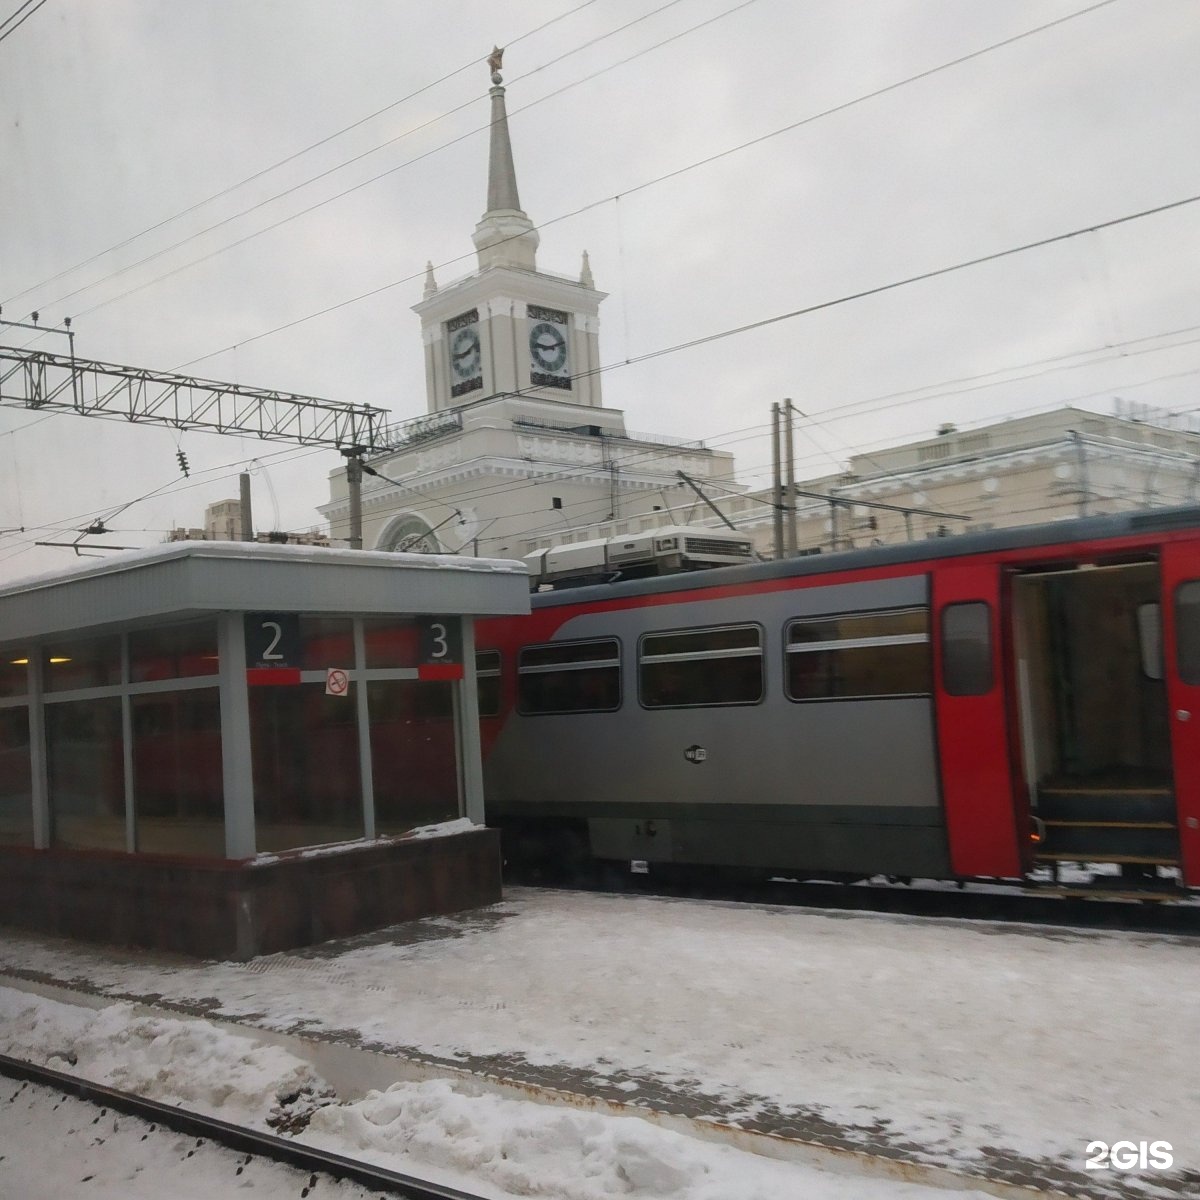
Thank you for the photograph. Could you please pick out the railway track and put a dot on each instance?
(1120, 912)
(242, 1140)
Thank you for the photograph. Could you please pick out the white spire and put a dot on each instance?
(585, 273)
(430, 283)
(505, 236)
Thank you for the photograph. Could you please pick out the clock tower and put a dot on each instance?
(516, 442)
(508, 328)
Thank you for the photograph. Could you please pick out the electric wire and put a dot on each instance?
(6, 33)
(291, 157)
(12, 16)
(639, 187)
(643, 186)
(358, 158)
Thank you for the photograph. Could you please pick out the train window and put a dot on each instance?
(1187, 630)
(859, 656)
(487, 675)
(569, 677)
(694, 667)
(1149, 625)
(967, 648)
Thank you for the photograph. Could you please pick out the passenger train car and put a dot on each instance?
(1015, 704)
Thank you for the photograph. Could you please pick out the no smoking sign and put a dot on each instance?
(337, 682)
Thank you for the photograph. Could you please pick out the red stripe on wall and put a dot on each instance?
(272, 676)
(430, 671)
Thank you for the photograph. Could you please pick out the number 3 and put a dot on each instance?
(440, 646)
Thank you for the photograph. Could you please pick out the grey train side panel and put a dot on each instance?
(837, 786)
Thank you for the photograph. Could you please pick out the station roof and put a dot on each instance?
(185, 579)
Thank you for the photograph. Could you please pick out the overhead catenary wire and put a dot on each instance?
(466, 104)
(264, 171)
(585, 208)
(612, 199)
(12, 28)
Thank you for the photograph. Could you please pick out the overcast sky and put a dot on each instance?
(119, 115)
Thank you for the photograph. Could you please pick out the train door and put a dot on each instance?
(972, 721)
(1092, 703)
(1181, 666)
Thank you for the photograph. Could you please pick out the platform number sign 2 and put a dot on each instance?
(272, 640)
(441, 640)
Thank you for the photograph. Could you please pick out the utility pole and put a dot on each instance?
(777, 495)
(1081, 451)
(354, 474)
(246, 514)
(792, 545)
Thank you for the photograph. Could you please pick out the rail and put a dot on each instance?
(234, 1137)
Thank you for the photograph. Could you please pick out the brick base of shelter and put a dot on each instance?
(235, 910)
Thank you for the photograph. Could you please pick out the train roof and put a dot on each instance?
(1081, 529)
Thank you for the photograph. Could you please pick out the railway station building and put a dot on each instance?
(224, 748)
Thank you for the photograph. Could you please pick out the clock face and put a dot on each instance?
(464, 352)
(548, 347)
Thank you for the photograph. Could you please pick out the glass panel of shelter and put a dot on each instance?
(305, 744)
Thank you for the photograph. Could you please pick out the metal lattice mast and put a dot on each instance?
(36, 379)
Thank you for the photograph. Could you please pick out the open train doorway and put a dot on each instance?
(1094, 722)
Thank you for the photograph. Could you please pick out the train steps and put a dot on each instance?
(1133, 826)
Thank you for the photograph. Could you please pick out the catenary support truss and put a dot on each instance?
(35, 379)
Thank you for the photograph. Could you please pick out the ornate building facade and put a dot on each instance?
(516, 441)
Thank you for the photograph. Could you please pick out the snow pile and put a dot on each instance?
(527, 1149)
(193, 1064)
(455, 1133)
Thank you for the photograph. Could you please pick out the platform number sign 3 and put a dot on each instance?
(441, 640)
(272, 640)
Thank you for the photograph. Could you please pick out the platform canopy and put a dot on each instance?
(181, 579)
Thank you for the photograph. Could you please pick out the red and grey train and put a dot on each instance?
(1019, 704)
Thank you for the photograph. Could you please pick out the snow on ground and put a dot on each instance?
(457, 1134)
(958, 1035)
(50, 1149)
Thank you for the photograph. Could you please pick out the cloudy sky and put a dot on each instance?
(248, 190)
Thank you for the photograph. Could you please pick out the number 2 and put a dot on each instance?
(1099, 1152)
(269, 652)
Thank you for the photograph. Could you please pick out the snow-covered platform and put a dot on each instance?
(975, 1055)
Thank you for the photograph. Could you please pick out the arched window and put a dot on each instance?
(410, 534)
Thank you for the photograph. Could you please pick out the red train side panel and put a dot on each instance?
(1181, 586)
(977, 779)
